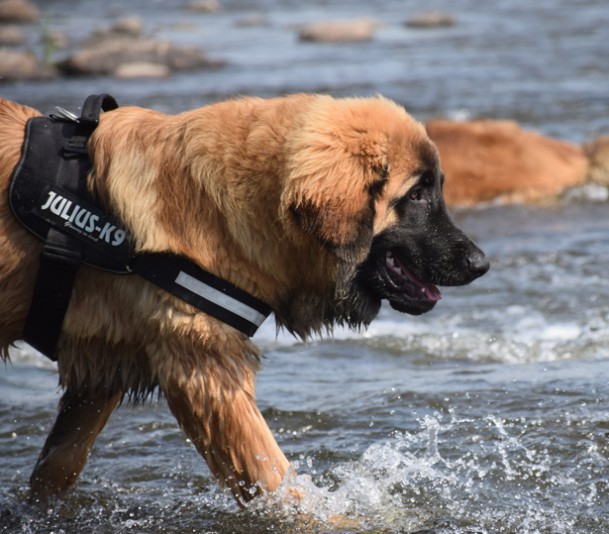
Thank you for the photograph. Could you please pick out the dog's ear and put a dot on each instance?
(332, 184)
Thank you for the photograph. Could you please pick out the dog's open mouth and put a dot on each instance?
(386, 276)
(404, 281)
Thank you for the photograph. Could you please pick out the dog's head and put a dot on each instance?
(365, 182)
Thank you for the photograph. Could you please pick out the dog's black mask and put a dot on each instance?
(422, 249)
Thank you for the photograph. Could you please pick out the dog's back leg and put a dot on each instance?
(82, 416)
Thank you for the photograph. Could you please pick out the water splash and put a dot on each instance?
(417, 482)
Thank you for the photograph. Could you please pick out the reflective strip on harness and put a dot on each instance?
(226, 301)
(212, 295)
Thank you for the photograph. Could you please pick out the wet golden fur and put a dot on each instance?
(272, 195)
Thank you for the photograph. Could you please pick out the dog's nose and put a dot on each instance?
(477, 263)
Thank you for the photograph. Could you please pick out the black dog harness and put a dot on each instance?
(49, 196)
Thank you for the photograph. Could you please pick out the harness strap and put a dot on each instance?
(203, 290)
(62, 254)
(59, 263)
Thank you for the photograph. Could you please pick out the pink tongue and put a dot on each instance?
(430, 291)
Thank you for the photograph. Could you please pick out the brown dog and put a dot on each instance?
(319, 207)
(491, 160)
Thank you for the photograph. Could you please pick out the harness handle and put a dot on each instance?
(94, 104)
(76, 146)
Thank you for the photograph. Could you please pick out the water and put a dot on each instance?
(489, 414)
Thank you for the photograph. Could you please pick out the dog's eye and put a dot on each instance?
(415, 194)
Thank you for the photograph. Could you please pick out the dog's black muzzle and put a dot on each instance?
(407, 261)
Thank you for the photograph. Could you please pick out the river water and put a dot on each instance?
(489, 414)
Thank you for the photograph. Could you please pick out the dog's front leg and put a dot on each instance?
(221, 418)
(82, 416)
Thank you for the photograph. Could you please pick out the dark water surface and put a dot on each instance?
(489, 414)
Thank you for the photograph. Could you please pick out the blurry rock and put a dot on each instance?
(17, 65)
(597, 152)
(11, 36)
(205, 6)
(253, 21)
(19, 11)
(106, 56)
(345, 31)
(431, 19)
(124, 27)
(492, 160)
(142, 70)
(131, 25)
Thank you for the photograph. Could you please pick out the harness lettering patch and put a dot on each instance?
(89, 224)
(82, 220)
